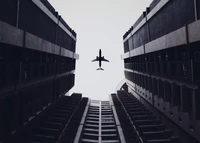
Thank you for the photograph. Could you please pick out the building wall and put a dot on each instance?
(37, 61)
(151, 25)
(163, 70)
(57, 123)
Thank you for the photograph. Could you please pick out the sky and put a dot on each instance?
(99, 24)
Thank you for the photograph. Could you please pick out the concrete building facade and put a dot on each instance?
(161, 61)
(37, 64)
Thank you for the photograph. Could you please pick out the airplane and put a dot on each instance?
(100, 59)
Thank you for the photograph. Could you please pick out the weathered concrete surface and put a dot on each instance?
(194, 31)
(11, 35)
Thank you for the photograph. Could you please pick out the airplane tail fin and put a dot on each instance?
(100, 69)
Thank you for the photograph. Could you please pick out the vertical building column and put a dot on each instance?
(60, 48)
(196, 104)
(195, 9)
(80, 128)
(100, 122)
(149, 37)
(17, 14)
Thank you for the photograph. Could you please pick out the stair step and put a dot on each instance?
(89, 141)
(91, 137)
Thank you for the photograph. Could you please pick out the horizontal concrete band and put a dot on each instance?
(50, 15)
(34, 82)
(171, 80)
(184, 35)
(157, 8)
(137, 51)
(11, 35)
(17, 37)
(126, 55)
(36, 43)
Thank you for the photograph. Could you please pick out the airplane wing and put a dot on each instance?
(105, 60)
(95, 60)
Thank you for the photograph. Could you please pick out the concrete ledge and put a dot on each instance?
(42, 80)
(65, 74)
(176, 38)
(66, 53)
(36, 43)
(156, 45)
(11, 35)
(76, 56)
(191, 85)
(137, 51)
(194, 32)
(57, 50)
(46, 46)
(173, 39)
(126, 55)
(17, 37)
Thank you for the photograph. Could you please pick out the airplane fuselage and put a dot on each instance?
(100, 59)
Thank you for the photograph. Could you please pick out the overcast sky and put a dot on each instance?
(99, 24)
